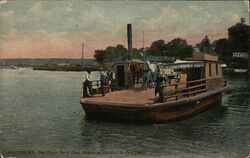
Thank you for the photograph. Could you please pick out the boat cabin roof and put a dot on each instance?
(182, 64)
(129, 61)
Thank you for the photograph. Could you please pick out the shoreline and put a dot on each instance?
(55, 67)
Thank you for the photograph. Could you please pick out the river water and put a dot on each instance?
(40, 115)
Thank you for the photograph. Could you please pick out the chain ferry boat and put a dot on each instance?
(193, 86)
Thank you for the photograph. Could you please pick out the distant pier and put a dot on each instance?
(66, 67)
(51, 64)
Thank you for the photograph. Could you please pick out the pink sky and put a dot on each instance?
(42, 29)
(40, 44)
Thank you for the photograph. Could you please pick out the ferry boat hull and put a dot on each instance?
(200, 87)
(158, 112)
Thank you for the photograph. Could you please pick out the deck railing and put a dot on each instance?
(183, 90)
(96, 85)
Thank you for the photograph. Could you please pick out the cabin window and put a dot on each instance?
(210, 70)
(217, 69)
(197, 73)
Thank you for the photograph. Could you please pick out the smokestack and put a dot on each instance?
(129, 33)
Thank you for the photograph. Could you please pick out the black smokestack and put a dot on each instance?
(129, 32)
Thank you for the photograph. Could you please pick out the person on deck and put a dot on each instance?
(159, 81)
(146, 73)
(110, 77)
(178, 76)
(88, 85)
(102, 79)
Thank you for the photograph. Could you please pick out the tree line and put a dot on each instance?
(238, 40)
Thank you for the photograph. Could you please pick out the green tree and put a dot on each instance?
(205, 45)
(137, 53)
(157, 48)
(222, 49)
(239, 37)
(122, 52)
(111, 53)
(100, 56)
(179, 48)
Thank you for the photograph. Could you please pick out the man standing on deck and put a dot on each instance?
(102, 79)
(146, 73)
(88, 85)
(159, 82)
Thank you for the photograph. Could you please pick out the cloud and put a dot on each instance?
(7, 14)
(68, 9)
(232, 16)
(209, 16)
(95, 13)
(37, 8)
(195, 8)
(168, 16)
(3, 2)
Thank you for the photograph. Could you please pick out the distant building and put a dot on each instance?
(240, 62)
(39, 62)
(240, 55)
(196, 50)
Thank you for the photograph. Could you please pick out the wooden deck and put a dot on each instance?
(173, 92)
(127, 97)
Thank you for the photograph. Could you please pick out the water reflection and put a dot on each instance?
(137, 137)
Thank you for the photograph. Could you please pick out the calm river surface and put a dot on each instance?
(40, 112)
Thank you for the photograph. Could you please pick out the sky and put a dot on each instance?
(57, 29)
